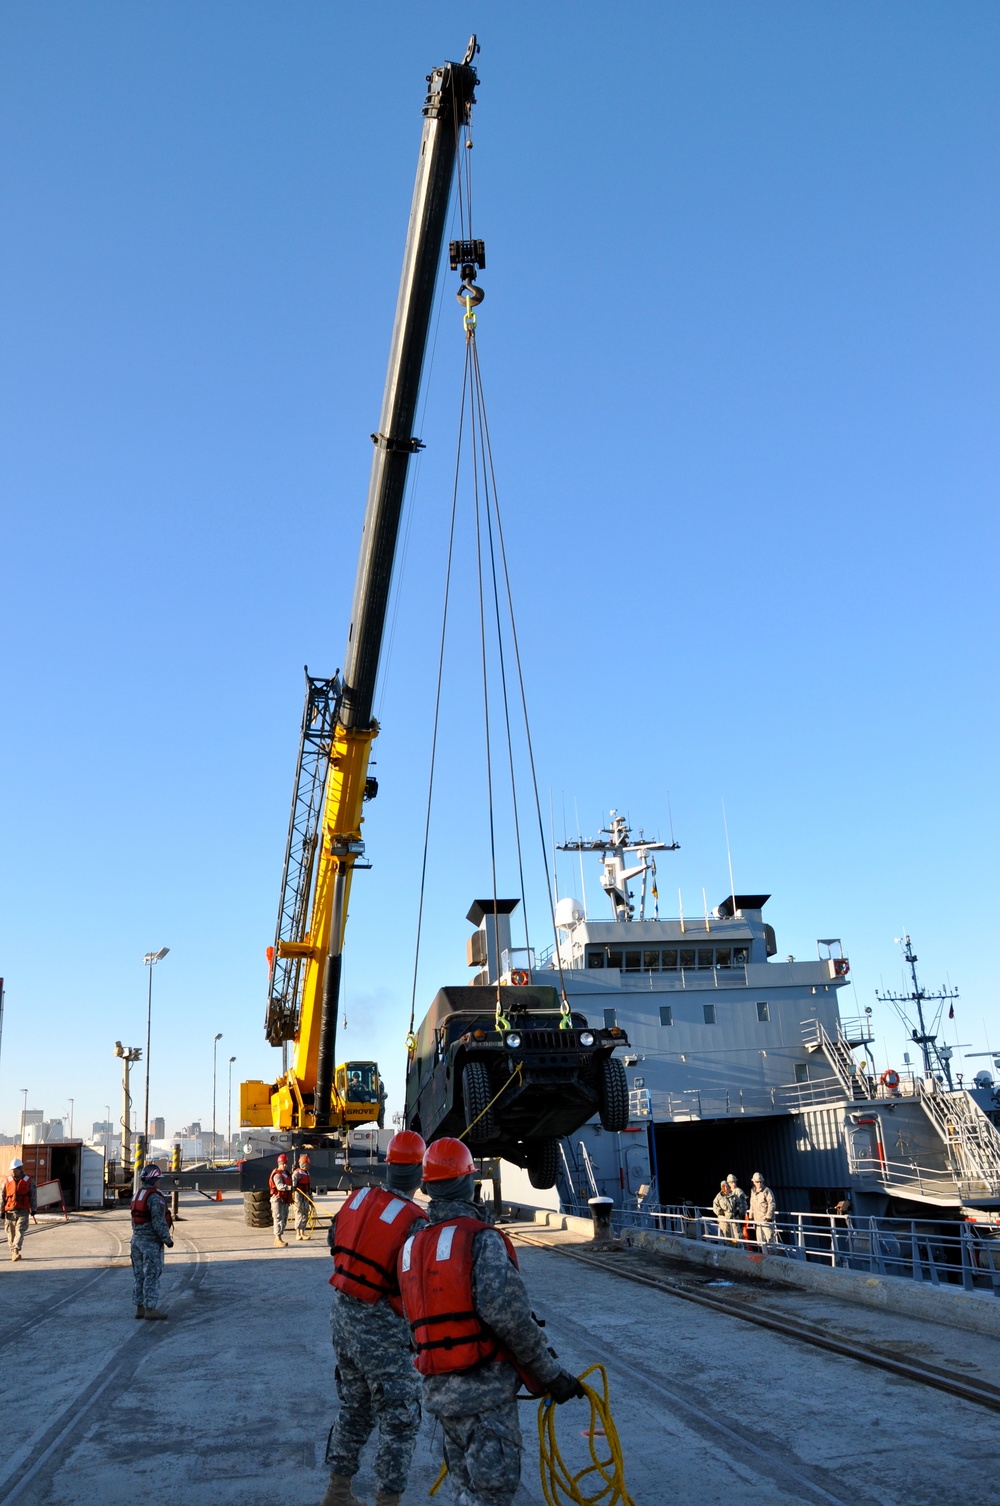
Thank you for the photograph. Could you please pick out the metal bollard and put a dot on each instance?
(600, 1212)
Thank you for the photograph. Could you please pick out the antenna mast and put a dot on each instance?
(936, 1058)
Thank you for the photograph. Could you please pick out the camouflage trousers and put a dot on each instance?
(483, 1455)
(279, 1216)
(301, 1213)
(17, 1224)
(147, 1269)
(377, 1385)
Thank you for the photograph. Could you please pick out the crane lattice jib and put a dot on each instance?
(315, 746)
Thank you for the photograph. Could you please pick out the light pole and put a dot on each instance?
(215, 1052)
(24, 1111)
(150, 960)
(71, 1103)
(229, 1113)
(107, 1132)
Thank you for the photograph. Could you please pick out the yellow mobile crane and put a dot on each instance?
(332, 782)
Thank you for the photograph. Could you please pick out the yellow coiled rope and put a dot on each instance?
(559, 1486)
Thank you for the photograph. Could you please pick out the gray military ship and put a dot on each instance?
(737, 1061)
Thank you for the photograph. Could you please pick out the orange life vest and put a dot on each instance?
(371, 1229)
(280, 1185)
(140, 1207)
(435, 1279)
(302, 1181)
(17, 1195)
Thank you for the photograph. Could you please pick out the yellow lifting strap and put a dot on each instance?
(514, 1076)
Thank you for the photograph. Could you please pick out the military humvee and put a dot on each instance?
(517, 1090)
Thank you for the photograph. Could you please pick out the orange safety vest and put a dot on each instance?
(17, 1194)
(283, 1188)
(435, 1279)
(303, 1183)
(371, 1229)
(139, 1207)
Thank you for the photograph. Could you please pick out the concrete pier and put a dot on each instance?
(229, 1402)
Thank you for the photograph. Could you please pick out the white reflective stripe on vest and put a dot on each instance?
(444, 1244)
(359, 1197)
(407, 1248)
(391, 1211)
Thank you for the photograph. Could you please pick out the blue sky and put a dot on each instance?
(739, 352)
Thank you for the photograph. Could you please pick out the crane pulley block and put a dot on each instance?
(468, 255)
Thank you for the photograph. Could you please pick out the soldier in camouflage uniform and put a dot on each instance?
(376, 1381)
(150, 1232)
(475, 1405)
(301, 1188)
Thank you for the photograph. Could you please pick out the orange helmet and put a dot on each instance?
(447, 1158)
(303, 1160)
(406, 1149)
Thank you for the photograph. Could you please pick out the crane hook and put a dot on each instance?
(470, 293)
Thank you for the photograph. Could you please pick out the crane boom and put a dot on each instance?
(306, 1011)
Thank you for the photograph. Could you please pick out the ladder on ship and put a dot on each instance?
(311, 769)
(857, 1085)
(971, 1138)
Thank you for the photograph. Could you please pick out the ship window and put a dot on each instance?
(651, 962)
(687, 957)
(741, 956)
(801, 1071)
(709, 1013)
(666, 1014)
(595, 959)
(723, 957)
(704, 956)
(614, 959)
(610, 1019)
(763, 1013)
(670, 960)
(633, 962)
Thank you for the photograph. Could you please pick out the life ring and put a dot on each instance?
(841, 967)
(889, 1078)
(518, 978)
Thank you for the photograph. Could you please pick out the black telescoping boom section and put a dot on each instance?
(446, 111)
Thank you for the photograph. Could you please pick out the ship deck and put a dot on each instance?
(231, 1400)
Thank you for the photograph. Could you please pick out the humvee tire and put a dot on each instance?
(476, 1094)
(257, 1209)
(612, 1089)
(543, 1162)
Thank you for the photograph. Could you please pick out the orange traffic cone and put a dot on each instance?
(218, 1195)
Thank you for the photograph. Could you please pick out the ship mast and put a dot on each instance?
(936, 1058)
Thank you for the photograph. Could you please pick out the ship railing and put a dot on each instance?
(938, 1252)
(812, 1094)
(660, 979)
(972, 1142)
(903, 1176)
(858, 1029)
(700, 1103)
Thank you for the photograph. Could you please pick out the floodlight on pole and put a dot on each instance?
(150, 960)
